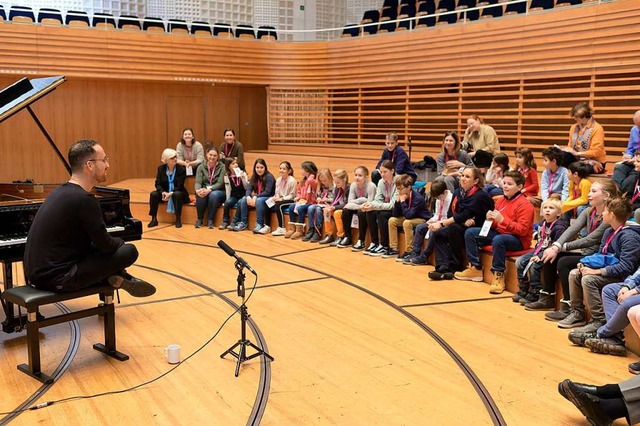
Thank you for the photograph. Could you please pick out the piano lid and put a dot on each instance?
(40, 87)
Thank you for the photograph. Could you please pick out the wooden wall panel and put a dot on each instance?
(184, 111)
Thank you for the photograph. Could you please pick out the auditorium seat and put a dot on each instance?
(515, 8)
(153, 25)
(371, 18)
(201, 28)
(443, 7)
(129, 22)
(560, 3)
(427, 7)
(245, 31)
(177, 26)
(21, 14)
(351, 30)
(77, 18)
(3, 14)
(267, 33)
(49, 16)
(541, 5)
(407, 11)
(390, 4)
(494, 11)
(389, 14)
(223, 30)
(104, 20)
(472, 15)
(387, 27)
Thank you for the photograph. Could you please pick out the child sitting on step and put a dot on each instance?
(334, 210)
(286, 186)
(324, 198)
(235, 186)
(305, 197)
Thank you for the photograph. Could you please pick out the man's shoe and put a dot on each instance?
(154, 222)
(307, 237)
(315, 238)
(198, 223)
(132, 285)
(497, 285)
(574, 319)
(266, 229)
(587, 404)
(223, 226)
(519, 295)
(256, 229)
(529, 298)
(241, 226)
(469, 274)
(435, 275)
(358, 246)
(606, 345)
(336, 242)
(447, 275)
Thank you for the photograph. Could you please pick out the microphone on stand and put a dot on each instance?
(409, 143)
(231, 252)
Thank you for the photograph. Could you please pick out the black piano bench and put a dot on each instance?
(31, 298)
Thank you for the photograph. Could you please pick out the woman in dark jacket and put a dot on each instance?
(169, 188)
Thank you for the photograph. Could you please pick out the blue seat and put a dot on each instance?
(266, 31)
(77, 18)
(153, 24)
(200, 28)
(21, 13)
(129, 22)
(103, 19)
(245, 31)
(50, 16)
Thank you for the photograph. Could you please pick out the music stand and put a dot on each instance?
(243, 343)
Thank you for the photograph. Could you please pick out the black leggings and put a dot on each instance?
(560, 267)
(378, 221)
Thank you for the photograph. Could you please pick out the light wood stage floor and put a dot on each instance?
(356, 341)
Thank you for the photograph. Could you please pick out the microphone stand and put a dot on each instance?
(243, 343)
(409, 140)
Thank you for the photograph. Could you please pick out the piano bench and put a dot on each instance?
(32, 299)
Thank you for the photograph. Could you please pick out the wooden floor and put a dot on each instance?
(356, 341)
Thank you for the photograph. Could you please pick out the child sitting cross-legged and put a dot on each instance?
(549, 230)
(511, 228)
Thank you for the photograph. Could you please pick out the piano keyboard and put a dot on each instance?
(23, 240)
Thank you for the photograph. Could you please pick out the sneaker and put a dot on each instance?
(316, 238)
(529, 298)
(198, 223)
(223, 226)
(435, 275)
(559, 315)
(402, 257)
(516, 297)
(418, 261)
(231, 227)
(257, 229)
(574, 319)
(265, 230)
(378, 251)
(546, 302)
(132, 285)
(497, 285)
(391, 252)
(279, 232)
(328, 239)
(307, 237)
(210, 224)
(344, 242)
(578, 338)
(634, 368)
(336, 242)
(358, 246)
(589, 405)
(607, 345)
(241, 226)
(470, 274)
(369, 249)
(447, 275)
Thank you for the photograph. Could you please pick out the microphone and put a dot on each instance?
(231, 252)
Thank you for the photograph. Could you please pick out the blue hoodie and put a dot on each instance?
(625, 245)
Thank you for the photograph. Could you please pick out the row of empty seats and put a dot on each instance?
(49, 16)
(429, 13)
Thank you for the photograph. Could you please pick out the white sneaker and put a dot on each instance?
(279, 232)
(265, 230)
(370, 249)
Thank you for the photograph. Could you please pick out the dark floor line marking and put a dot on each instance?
(483, 393)
(300, 251)
(156, 228)
(72, 350)
(453, 302)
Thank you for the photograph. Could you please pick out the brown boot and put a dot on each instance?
(291, 228)
(497, 285)
(546, 302)
(299, 231)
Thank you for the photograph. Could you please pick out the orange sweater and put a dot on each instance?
(595, 149)
(518, 218)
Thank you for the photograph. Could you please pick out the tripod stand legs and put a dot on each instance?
(241, 354)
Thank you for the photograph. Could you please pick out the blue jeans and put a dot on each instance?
(302, 210)
(616, 313)
(535, 271)
(493, 190)
(316, 219)
(211, 202)
(261, 208)
(226, 208)
(501, 243)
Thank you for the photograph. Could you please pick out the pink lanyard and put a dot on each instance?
(338, 197)
(387, 190)
(606, 244)
(441, 211)
(551, 177)
(227, 152)
(594, 223)
(188, 151)
(543, 236)
(259, 186)
(212, 172)
(636, 191)
(236, 180)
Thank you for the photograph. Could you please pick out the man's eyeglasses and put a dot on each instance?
(104, 160)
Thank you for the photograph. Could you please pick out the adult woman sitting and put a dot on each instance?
(480, 141)
(210, 190)
(586, 140)
(560, 259)
(379, 211)
(469, 207)
(232, 148)
(451, 160)
(190, 151)
(169, 188)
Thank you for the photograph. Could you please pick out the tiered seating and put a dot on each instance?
(515, 8)
(3, 14)
(351, 30)
(267, 33)
(541, 5)
(473, 15)
(426, 10)
(21, 14)
(445, 6)
(178, 26)
(153, 25)
(129, 22)
(222, 30)
(49, 16)
(77, 18)
(104, 20)
(491, 11)
(371, 19)
(201, 28)
(245, 31)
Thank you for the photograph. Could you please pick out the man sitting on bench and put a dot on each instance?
(68, 247)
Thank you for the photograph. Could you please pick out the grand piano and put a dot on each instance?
(20, 200)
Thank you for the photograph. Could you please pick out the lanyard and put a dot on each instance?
(259, 186)
(393, 156)
(338, 197)
(362, 191)
(543, 236)
(188, 152)
(595, 221)
(464, 194)
(387, 191)
(636, 191)
(212, 172)
(236, 180)
(228, 151)
(524, 172)
(441, 210)
(606, 244)
(550, 189)
(446, 158)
